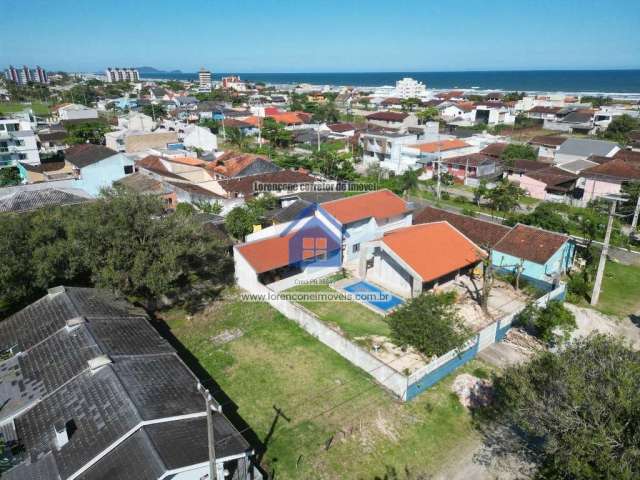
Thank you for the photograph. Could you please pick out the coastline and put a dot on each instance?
(623, 84)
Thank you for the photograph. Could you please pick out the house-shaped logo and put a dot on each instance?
(314, 239)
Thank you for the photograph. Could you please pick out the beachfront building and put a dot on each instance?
(204, 80)
(117, 74)
(409, 88)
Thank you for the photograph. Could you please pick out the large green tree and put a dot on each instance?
(515, 151)
(505, 196)
(122, 241)
(430, 323)
(89, 132)
(620, 128)
(577, 412)
(9, 176)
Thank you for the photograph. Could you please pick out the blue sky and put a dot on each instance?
(321, 36)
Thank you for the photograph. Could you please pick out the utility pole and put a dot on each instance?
(636, 214)
(439, 159)
(595, 295)
(211, 405)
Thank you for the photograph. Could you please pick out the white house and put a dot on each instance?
(200, 138)
(18, 142)
(582, 148)
(75, 111)
(136, 121)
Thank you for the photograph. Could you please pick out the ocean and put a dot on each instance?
(570, 81)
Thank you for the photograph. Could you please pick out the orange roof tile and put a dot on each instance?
(433, 250)
(287, 118)
(187, 161)
(276, 252)
(379, 204)
(432, 147)
(253, 120)
(231, 163)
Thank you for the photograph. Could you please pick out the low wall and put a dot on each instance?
(430, 374)
(403, 386)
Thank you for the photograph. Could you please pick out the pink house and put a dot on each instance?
(549, 183)
(608, 177)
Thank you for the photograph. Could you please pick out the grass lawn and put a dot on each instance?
(275, 362)
(620, 290)
(39, 108)
(354, 319)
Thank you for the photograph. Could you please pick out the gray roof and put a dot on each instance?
(576, 166)
(142, 379)
(585, 147)
(23, 201)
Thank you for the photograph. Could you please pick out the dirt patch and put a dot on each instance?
(472, 391)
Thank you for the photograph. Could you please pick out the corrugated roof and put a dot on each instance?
(432, 250)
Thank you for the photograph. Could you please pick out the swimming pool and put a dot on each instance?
(374, 296)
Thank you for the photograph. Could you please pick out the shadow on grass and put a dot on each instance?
(230, 407)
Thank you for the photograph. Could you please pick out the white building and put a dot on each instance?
(204, 77)
(136, 121)
(409, 88)
(18, 142)
(200, 138)
(116, 74)
(76, 111)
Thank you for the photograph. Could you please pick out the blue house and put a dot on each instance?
(540, 255)
(97, 167)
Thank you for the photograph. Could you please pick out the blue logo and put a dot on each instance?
(314, 240)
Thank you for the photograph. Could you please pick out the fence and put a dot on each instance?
(403, 386)
(430, 374)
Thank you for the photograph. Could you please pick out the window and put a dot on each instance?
(314, 248)
(355, 248)
(128, 169)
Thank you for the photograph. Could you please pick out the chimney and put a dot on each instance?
(96, 363)
(62, 434)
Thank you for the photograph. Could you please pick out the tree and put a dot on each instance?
(123, 241)
(620, 128)
(429, 114)
(577, 412)
(505, 196)
(89, 132)
(214, 208)
(365, 102)
(409, 103)
(327, 113)
(237, 137)
(552, 323)
(516, 151)
(240, 220)
(154, 111)
(277, 135)
(480, 192)
(430, 323)
(409, 180)
(10, 176)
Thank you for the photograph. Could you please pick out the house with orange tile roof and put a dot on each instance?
(354, 220)
(417, 258)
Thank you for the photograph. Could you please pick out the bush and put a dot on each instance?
(430, 323)
(468, 211)
(578, 288)
(445, 195)
(545, 322)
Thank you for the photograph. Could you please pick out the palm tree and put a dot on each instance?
(237, 137)
(429, 114)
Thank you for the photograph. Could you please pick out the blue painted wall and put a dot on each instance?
(432, 378)
(541, 275)
(102, 174)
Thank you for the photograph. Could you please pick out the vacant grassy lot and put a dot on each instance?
(353, 319)
(620, 290)
(38, 108)
(341, 424)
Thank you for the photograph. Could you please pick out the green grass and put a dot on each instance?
(620, 293)
(275, 362)
(39, 108)
(354, 319)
